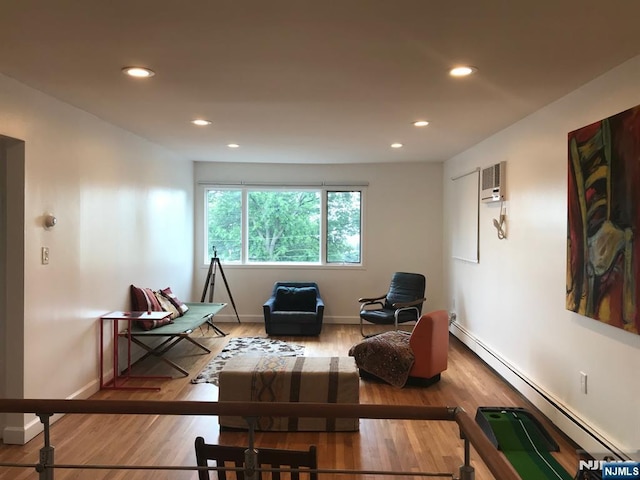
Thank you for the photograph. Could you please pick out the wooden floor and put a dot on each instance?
(413, 446)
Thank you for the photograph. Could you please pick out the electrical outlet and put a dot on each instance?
(45, 255)
(583, 382)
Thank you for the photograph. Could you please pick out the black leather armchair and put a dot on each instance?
(294, 308)
(402, 303)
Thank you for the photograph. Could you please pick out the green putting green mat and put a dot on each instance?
(524, 442)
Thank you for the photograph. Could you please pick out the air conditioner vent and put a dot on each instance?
(492, 181)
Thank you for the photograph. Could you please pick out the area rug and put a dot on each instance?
(254, 346)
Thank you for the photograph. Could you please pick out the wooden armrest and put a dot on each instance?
(372, 299)
(415, 303)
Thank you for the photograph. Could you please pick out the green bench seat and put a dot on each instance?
(181, 329)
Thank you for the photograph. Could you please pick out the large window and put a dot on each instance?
(290, 226)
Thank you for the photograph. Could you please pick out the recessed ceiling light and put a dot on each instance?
(420, 123)
(396, 145)
(462, 71)
(138, 72)
(201, 122)
(233, 145)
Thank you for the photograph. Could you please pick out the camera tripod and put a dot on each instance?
(211, 282)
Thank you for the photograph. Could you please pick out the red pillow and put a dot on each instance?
(143, 300)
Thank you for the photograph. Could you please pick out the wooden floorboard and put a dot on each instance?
(380, 444)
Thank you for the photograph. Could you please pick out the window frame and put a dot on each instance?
(245, 188)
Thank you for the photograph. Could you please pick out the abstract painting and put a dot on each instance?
(603, 253)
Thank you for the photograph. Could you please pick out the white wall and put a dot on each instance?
(125, 215)
(513, 302)
(402, 232)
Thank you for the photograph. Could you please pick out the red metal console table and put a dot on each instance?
(117, 382)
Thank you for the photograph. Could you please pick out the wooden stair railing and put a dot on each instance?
(470, 432)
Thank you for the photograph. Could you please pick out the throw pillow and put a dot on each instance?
(169, 295)
(282, 296)
(295, 299)
(167, 306)
(144, 300)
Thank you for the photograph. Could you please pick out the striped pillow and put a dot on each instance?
(174, 300)
(167, 306)
(144, 300)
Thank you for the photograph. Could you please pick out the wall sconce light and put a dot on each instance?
(50, 221)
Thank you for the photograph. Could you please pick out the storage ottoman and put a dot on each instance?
(290, 379)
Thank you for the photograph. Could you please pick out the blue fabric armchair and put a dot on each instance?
(294, 308)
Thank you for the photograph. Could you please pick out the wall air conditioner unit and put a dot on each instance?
(492, 183)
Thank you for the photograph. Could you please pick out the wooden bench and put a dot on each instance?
(181, 329)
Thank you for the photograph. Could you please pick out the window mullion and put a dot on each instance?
(323, 227)
(245, 226)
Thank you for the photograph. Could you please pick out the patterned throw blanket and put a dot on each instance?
(388, 356)
(275, 379)
(290, 379)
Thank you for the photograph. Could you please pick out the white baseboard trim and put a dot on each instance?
(568, 421)
(341, 320)
(19, 435)
(260, 319)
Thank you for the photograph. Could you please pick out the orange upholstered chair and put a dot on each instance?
(429, 343)
(398, 357)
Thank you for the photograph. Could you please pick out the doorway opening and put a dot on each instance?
(12, 181)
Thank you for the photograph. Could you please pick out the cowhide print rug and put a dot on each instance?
(256, 346)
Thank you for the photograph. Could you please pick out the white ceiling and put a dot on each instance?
(323, 81)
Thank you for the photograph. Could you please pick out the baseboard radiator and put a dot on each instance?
(569, 422)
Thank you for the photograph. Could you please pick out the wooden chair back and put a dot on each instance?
(230, 456)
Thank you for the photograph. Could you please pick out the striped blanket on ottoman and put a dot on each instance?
(290, 379)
